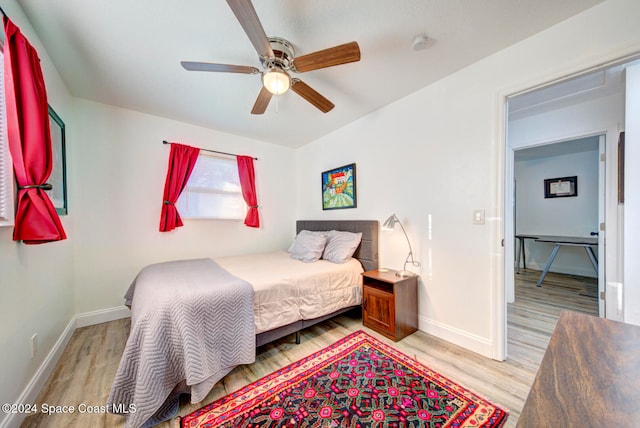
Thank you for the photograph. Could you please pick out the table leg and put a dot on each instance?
(592, 257)
(548, 265)
(524, 254)
(518, 254)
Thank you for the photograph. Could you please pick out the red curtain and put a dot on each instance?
(29, 140)
(248, 184)
(182, 159)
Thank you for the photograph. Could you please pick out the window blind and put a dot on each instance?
(6, 169)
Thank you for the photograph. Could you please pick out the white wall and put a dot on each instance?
(116, 187)
(36, 281)
(632, 198)
(571, 216)
(437, 154)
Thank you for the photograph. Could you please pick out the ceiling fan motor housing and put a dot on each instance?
(283, 54)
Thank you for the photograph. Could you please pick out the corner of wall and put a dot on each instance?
(456, 336)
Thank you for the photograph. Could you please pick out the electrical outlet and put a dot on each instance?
(34, 345)
(478, 217)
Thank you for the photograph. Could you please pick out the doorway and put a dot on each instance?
(587, 110)
(557, 193)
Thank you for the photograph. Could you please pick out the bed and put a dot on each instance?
(193, 321)
(366, 254)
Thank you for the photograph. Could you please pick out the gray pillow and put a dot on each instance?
(341, 246)
(308, 246)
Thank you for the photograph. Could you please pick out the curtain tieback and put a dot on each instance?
(169, 203)
(45, 186)
(253, 206)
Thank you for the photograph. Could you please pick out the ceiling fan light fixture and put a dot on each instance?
(276, 81)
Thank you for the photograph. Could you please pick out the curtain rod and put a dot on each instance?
(3, 14)
(212, 151)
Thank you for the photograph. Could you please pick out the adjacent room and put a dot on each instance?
(571, 280)
(293, 212)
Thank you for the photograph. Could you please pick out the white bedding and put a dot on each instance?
(288, 290)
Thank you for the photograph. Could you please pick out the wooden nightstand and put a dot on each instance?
(390, 303)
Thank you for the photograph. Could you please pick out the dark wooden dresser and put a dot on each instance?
(589, 376)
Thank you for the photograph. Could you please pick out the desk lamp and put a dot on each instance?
(390, 224)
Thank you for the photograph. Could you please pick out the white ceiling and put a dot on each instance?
(558, 149)
(127, 53)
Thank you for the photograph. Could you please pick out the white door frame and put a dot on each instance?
(504, 266)
(502, 246)
(602, 221)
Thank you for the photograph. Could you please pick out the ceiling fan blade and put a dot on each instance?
(248, 18)
(311, 95)
(223, 68)
(342, 54)
(261, 102)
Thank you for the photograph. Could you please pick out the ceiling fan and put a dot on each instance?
(278, 60)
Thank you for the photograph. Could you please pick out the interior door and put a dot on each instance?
(602, 228)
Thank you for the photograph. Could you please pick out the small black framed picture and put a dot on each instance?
(562, 187)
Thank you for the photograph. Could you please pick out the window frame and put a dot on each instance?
(206, 190)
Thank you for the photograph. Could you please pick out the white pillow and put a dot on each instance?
(293, 243)
(308, 246)
(341, 246)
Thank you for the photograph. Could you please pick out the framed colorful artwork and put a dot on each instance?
(339, 188)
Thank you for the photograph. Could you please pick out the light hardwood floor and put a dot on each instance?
(89, 363)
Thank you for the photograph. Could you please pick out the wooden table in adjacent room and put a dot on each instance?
(557, 241)
(589, 376)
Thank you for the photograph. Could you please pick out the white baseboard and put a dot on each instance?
(37, 382)
(456, 336)
(102, 315)
(35, 385)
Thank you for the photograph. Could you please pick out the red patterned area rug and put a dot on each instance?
(356, 382)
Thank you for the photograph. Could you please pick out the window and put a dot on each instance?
(6, 169)
(213, 191)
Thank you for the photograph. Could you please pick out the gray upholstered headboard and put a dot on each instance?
(367, 252)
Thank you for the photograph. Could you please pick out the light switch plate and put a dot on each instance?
(478, 216)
